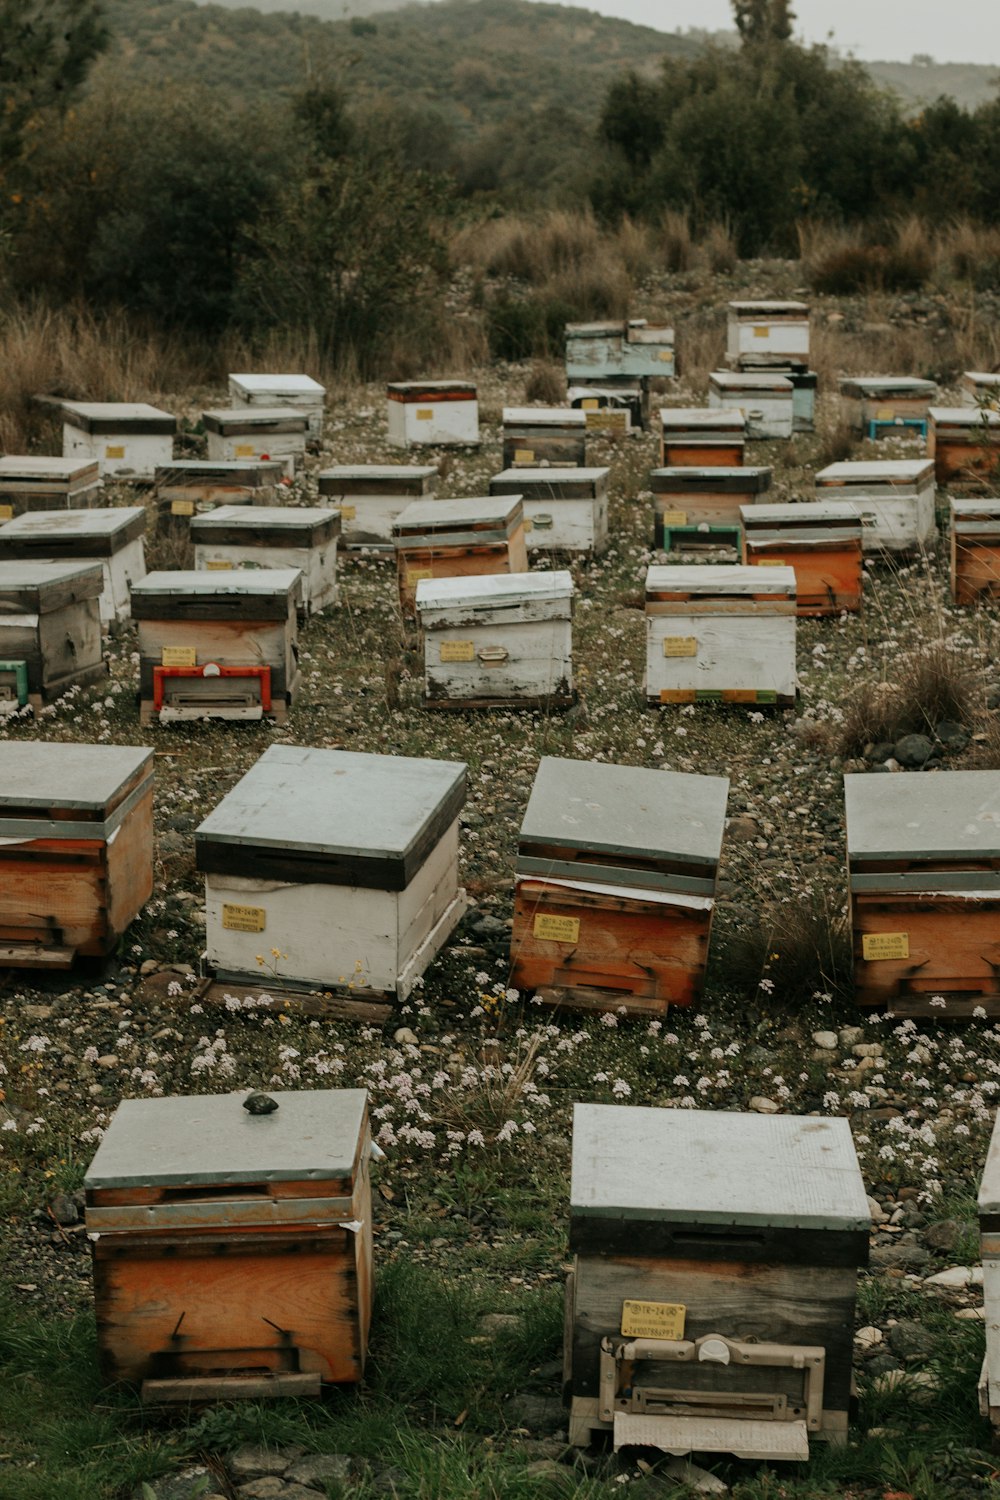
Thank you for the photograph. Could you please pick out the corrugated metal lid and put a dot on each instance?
(445, 515)
(955, 815)
(232, 581)
(715, 418)
(543, 416)
(264, 385)
(492, 590)
(313, 1135)
(877, 471)
(722, 578)
(101, 523)
(760, 380)
(259, 517)
(35, 773)
(16, 466)
(887, 385)
(714, 1167)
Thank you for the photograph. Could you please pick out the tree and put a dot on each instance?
(761, 21)
(46, 48)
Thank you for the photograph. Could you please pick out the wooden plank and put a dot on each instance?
(552, 703)
(370, 1007)
(35, 956)
(282, 1384)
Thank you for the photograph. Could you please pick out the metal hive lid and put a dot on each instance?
(34, 773)
(543, 416)
(188, 581)
(988, 378)
(769, 307)
(16, 466)
(532, 480)
(430, 388)
(254, 416)
(708, 478)
(903, 817)
(260, 517)
(964, 416)
(895, 471)
(112, 411)
(713, 418)
(721, 578)
(378, 471)
(297, 385)
(887, 385)
(61, 524)
(447, 515)
(29, 577)
(759, 380)
(986, 509)
(806, 511)
(492, 590)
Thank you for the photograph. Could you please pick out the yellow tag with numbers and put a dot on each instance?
(885, 414)
(653, 1320)
(244, 918)
(680, 645)
(876, 945)
(424, 414)
(458, 651)
(665, 356)
(768, 562)
(178, 656)
(114, 450)
(557, 929)
(414, 575)
(347, 512)
(182, 507)
(245, 450)
(216, 565)
(524, 455)
(761, 331)
(674, 518)
(590, 403)
(6, 512)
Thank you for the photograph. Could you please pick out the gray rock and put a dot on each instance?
(268, 1487)
(913, 750)
(944, 1235)
(910, 1340)
(880, 752)
(250, 1461)
(489, 926)
(194, 1483)
(881, 1364)
(537, 1413)
(389, 1481)
(319, 1469)
(500, 1322)
(742, 829)
(993, 697)
(951, 736)
(903, 1257)
(63, 1209)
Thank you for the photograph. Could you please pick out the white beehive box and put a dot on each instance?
(50, 631)
(768, 330)
(877, 403)
(565, 510)
(720, 633)
(594, 350)
(125, 438)
(273, 536)
(544, 434)
(257, 432)
(46, 484)
(894, 497)
(191, 486)
(648, 349)
(347, 863)
(111, 538)
(766, 399)
(497, 638)
(432, 414)
(371, 496)
(300, 391)
(980, 388)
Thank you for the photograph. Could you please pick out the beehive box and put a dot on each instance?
(371, 496)
(701, 437)
(300, 391)
(764, 397)
(192, 486)
(457, 538)
(980, 388)
(123, 438)
(232, 1252)
(696, 509)
(76, 849)
(615, 886)
(432, 414)
(881, 403)
(720, 634)
(109, 538)
(594, 350)
(964, 443)
(768, 331)
(565, 510)
(804, 383)
(975, 550)
(613, 407)
(50, 631)
(499, 638)
(716, 1255)
(46, 484)
(821, 542)
(648, 349)
(894, 497)
(924, 871)
(346, 862)
(273, 536)
(534, 435)
(217, 645)
(257, 432)
(989, 1249)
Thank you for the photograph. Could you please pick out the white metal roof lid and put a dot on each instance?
(964, 416)
(955, 815)
(438, 514)
(721, 578)
(989, 1188)
(987, 508)
(758, 380)
(37, 773)
(378, 471)
(769, 306)
(254, 517)
(551, 476)
(877, 471)
(291, 385)
(232, 581)
(544, 416)
(982, 377)
(490, 590)
(803, 510)
(29, 574)
(18, 466)
(128, 411)
(103, 522)
(255, 416)
(876, 385)
(715, 418)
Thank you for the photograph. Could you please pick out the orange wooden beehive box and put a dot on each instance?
(975, 550)
(964, 442)
(232, 1251)
(615, 886)
(456, 538)
(702, 437)
(822, 542)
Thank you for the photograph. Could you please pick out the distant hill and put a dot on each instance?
(969, 84)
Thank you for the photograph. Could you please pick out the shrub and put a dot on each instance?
(546, 383)
(933, 684)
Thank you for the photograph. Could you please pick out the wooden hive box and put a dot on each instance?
(980, 388)
(895, 498)
(232, 1252)
(716, 1255)
(300, 391)
(613, 407)
(217, 645)
(804, 382)
(371, 496)
(258, 432)
(615, 886)
(46, 484)
(50, 630)
(346, 862)
(701, 437)
(648, 350)
(432, 414)
(502, 638)
(565, 510)
(821, 541)
(127, 439)
(975, 550)
(964, 442)
(764, 397)
(76, 849)
(768, 331)
(887, 403)
(534, 435)
(111, 538)
(457, 538)
(720, 634)
(273, 536)
(191, 486)
(695, 509)
(594, 350)
(924, 870)
(989, 1249)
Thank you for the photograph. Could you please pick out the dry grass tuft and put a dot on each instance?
(674, 241)
(717, 249)
(933, 684)
(546, 383)
(797, 949)
(838, 444)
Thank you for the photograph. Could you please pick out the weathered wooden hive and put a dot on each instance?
(648, 350)
(371, 496)
(765, 398)
(614, 407)
(347, 863)
(975, 550)
(989, 1249)
(46, 484)
(111, 538)
(980, 388)
(716, 1255)
(432, 414)
(217, 645)
(894, 497)
(803, 381)
(565, 510)
(125, 438)
(76, 849)
(768, 331)
(457, 538)
(499, 638)
(594, 350)
(821, 541)
(191, 486)
(615, 886)
(232, 1251)
(534, 435)
(300, 391)
(702, 437)
(273, 536)
(257, 432)
(50, 631)
(924, 870)
(720, 634)
(887, 403)
(698, 509)
(964, 442)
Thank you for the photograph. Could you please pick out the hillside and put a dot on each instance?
(970, 84)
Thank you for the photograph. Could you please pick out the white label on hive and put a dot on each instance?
(6, 512)
(424, 414)
(761, 331)
(524, 455)
(458, 651)
(680, 645)
(182, 507)
(114, 450)
(244, 918)
(653, 1320)
(216, 564)
(876, 945)
(557, 929)
(674, 518)
(245, 450)
(414, 575)
(348, 512)
(179, 656)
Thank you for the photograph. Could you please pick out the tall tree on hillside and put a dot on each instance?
(46, 48)
(759, 21)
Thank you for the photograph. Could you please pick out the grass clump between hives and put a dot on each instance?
(931, 685)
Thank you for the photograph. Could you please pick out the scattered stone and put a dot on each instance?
(868, 1338)
(993, 697)
(260, 1104)
(187, 1484)
(945, 1235)
(742, 829)
(919, 1385)
(972, 1314)
(909, 1339)
(252, 1462)
(388, 1481)
(63, 1209)
(951, 736)
(955, 1278)
(913, 750)
(905, 1257)
(881, 1363)
(698, 1479)
(268, 1487)
(825, 1039)
(537, 1413)
(762, 1106)
(867, 1049)
(405, 1037)
(850, 1034)
(109, 1060)
(38, 1012)
(489, 926)
(319, 1469)
(878, 1213)
(880, 753)
(500, 1322)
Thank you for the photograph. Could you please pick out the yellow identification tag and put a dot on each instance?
(680, 645)
(245, 450)
(348, 512)
(414, 575)
(875, 945)
(665, 356)
(114, 450)
(179, 656)
(216, 565)
(182, 507)
(244, 918)
(458, 651)
(761, 331)
(674, 518)
(425, 414)
(589, 403)
(557, 929)
(6, 512)
(768, 562)
(653, 1320)
(524, 455)
(885, 414)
